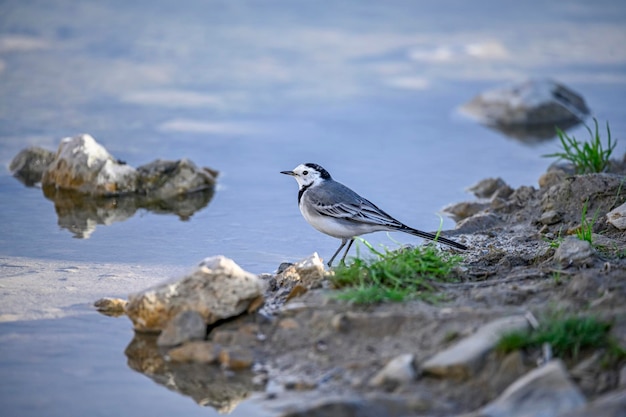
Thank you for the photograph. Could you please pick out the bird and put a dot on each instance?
(336, 210)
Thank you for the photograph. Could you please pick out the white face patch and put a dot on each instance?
(306, 175)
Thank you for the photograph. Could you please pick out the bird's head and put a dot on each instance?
(308, 174)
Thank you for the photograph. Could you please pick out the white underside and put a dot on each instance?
(336, 227)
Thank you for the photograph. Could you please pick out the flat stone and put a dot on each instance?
(574, 252)
(466, 357)
(217, 289)
(543, 392)
(399, 370)
(617, 217)
(184, 327)
(550, 217)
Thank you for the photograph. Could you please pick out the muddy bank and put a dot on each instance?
(314, 355)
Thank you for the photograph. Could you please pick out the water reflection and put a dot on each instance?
(208, 385)
(80, 213)
(534, 134)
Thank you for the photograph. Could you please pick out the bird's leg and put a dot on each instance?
(347, 249)
(343, 243)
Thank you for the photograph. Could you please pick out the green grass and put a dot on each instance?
(568, 336)
(395, 275)
(587, 157)
(585, 231)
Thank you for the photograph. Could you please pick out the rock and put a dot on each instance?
(617, 217)
(528, 110)
(574, 252)
(609, 405)
(166, 179)
(550, 217)
(236, 358)
(184, 327)
(308, 272)
(83, 165)
(199, 352)
(487, 188)
(29, 164)
(110, 306)
(543, 392)
(217, 289)
(510, 368)
(478, 223)
(463, 210)
(465, 358)
(399, 370)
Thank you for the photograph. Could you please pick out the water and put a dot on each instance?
(366, 89)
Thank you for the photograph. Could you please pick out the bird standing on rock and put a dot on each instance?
(336, 210)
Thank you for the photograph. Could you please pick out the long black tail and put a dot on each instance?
(430, 236)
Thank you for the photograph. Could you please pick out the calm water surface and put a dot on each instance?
(367, 89)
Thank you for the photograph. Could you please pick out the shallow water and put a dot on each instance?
(367, 89)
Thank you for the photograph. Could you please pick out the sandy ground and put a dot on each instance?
(32, 289)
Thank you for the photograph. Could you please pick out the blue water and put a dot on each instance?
(367, 89)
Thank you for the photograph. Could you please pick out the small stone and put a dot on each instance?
(29, 164)
(545, 391)
(308, 272)
(617, 217)
(340, 322)
(550, 217)
(113, 307)
(399, 370)
(236, 358)
(198, 351)
(217, 289)
(551, 178)
(465, 358)
(487, 188)
(463, 210)
(184, 327)
(574, 252)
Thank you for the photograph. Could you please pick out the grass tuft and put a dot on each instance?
(567, 336)
(587, 157)
(585, 231)
(395, 275)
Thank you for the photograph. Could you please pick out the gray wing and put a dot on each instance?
(336, 200)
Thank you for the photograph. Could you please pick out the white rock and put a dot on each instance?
(217, 289)
(399, 370)
(617, 217)
(575, 252)
(83, 165)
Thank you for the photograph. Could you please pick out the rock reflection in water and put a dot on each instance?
(534, 134)
(208, 385)
(80, 213)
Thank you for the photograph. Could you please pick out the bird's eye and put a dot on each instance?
(305, 172)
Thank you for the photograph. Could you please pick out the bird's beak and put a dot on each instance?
(293, 174)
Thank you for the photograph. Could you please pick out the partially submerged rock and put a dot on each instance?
(83, 165)
(82, 176)
(29, 164)
(530, 109)
(217, 289)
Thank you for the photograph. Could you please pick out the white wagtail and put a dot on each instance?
(336, 210)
